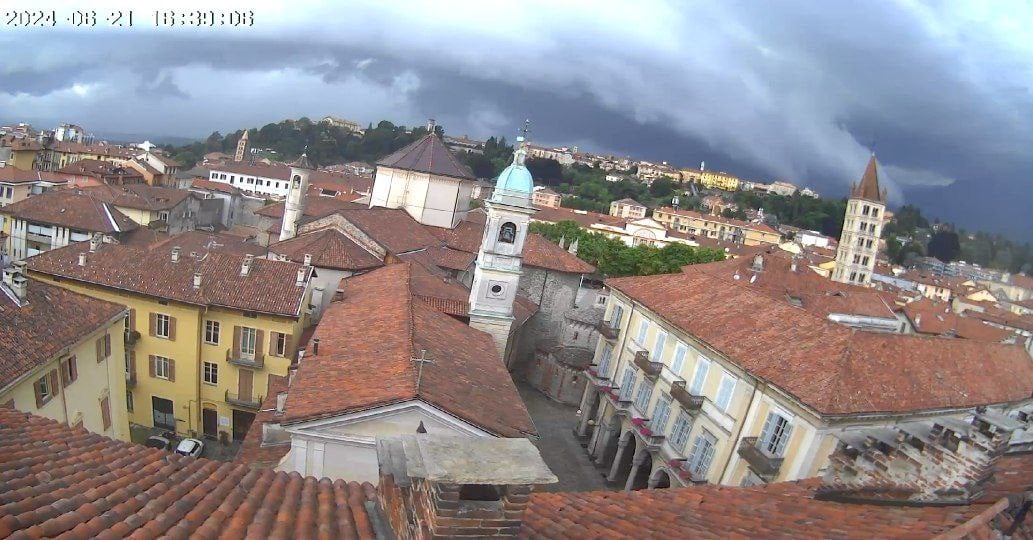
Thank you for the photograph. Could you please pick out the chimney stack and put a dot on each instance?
(9, 276)
(315, 347)
(21, 285)
(175, 254)
(301, 276)
(437, 486)
(430, 125)
(82, 259)
(94, 242)
(308, 259)
(197, 280)
(245, 267)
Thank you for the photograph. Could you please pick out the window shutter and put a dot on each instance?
(74, 368)
(236, 342)
(100, 349)
(769, 429)
(105, 412)
(287, 347)
(784, 439)
(107, 345)
(132, 362)
(153, 330)
(39, 394)
(259, 345)
(172, 327)
(172, 370)
(64, 371)
(54, 382)
(272, 342)
(152, 371)
(132, 319)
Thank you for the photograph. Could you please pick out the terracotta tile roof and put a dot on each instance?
(353, 373)
(1004, 318)
(392, 228)
(139, 196)
(71, 208)
(428, 155)
(51, 320)
(868, 189)
(764, 227)
(830, 368)
(315, 206)
(269, 286)
(20, 145)
(209, 185)
(202, 242)
(341, 182)
(818, 294)
(56, 481)
(329, 248)
(453, 259)
(1022, 280)
(69, 147)
(931, 317)
(14, 175)
(583, 218)
(925, 278)
(781, 510)
(252, 452)
(104, 170)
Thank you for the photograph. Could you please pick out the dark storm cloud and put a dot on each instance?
(793, 90)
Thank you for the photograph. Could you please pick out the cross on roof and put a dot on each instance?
(420, 361)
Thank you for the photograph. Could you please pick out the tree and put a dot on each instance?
(545, 171)
(661, 187)
(944, 245)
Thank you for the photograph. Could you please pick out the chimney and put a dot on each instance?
(945, 460)
(792, 266)
(430, 125)
(438, 486)
(9, 276)
(301, 276)
(20, 286)
(245, 267)
(308, 259)
(175, 254)
(94, 242)
(758, 263)
(82, 259)
(197, 280)
(315, 347)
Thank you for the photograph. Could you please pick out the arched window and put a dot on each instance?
(507, 233)
(297, 180)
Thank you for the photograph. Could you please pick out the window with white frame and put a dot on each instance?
(162, 323)
(248, 340)
(702, 454)
(211, 332)
(680, 431)
(615, 317)
(627, 383)
(604, 360)
(699, 377)
(643, 327)
(658, 346)
(279, 344)
(645, 393)
(680, 350)
(725, 391)
(161, 367)
(775, 435)
(661, 413)
(211, 373)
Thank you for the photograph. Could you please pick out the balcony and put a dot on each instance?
(607, 330)
(253, 402)
(680, 468)
(652, 441)
(239, 359)
(596, 378)
(651, 369)
(689, 401)
(765, 465)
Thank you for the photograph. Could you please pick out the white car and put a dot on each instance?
(190, 447)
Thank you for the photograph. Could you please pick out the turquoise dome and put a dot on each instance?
(515, 179)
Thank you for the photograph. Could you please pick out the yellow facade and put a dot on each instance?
(98, 382)
(23, 159)
(188, 350)
(718, 228)
(719, 180)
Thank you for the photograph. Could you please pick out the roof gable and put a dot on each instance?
(428, 155)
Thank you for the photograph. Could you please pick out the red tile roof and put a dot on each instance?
(70, 208)
(781, 510)
(210, 185)
(868, 189)
(392, 228)
(931, 317)
(583, 218)
(139, 196)
(353, 372)
(315, 206)
(104, 170)
(428, 155)
(832, 369)
(763, 227)
(329, 248)
(269, 286)
(56, 481)
(14, 175)
(52, 320)
(69, 147)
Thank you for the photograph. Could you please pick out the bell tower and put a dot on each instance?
(241, 148)
(294, 207)
(862, 228)
(498, 268)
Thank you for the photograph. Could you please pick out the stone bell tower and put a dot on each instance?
(294, 207)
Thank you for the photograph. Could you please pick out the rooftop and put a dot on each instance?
(429, 155)
(457, 460)
(50, 320)
(71, 208)
(14, 175)
(138, 196)
(936, 318)
(329, 248)
(465, 376)
(868, 188)
(98, 169)
(763, 227)
(828, 367)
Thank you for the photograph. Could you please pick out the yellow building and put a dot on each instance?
(719, 180)
(59, 154)
(698, 378)
(208, 324)
(25, 153)
(720, 228)
(63, 355)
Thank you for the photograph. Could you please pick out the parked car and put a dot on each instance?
(159, 442)
(190, 447)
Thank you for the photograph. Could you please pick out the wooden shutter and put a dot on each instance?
(105, 412)
(107, 345)
(100, 349)
(172, 327)
(74, 368)
(153, 330)
(236, 342)
(151, 369)
(272, 342)
(132, 319)
(259, 345)
(172, 370)
(132, 362)
(63, 368)
(54, 383)
(287, 347)
(39, 394)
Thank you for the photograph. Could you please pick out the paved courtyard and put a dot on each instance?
(560, 449)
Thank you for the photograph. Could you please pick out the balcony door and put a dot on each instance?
(245, 384)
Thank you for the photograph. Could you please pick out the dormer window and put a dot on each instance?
(507, 233)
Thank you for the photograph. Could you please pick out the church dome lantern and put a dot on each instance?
(515, 184)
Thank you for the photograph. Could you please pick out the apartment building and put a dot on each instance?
(700, 380)
(62, 355)
(17, 185)
(717, 227)
(719, 180)
(159, 208)
(628, 209)
(208, 322)
(547, 197)
(56, 218)
(92, 172)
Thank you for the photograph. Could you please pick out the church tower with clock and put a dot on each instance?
(498, 267)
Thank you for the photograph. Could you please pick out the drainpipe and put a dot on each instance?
(738, 433)
(200, 371)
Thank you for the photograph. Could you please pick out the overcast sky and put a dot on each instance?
(797, 90)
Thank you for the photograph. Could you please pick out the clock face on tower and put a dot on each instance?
(496, 289)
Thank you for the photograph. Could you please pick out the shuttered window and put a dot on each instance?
(645, 393)
(724, 392)
(699, 378)
(680, 431)
(627, 384)
(658, 346)
(775, 435)
(702, 454)
(661, 413)
(105, 412)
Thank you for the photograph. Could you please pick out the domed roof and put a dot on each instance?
(515, 178)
